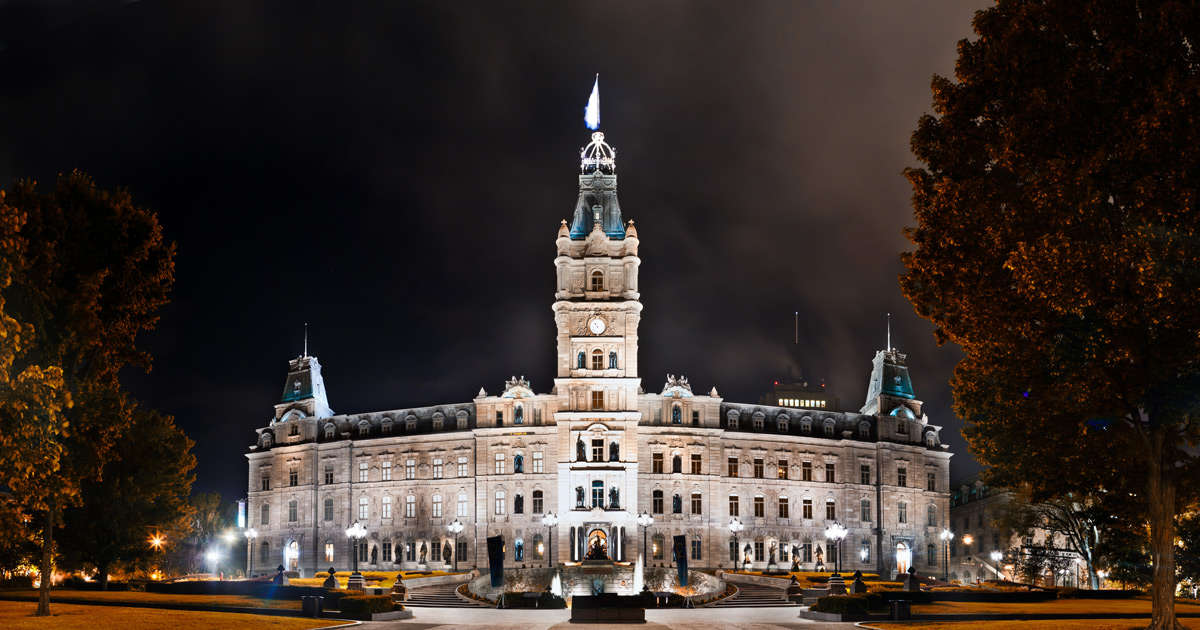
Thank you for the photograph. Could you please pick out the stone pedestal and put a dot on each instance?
(858, 586)
(911, 583)
(837, 585)
(356, 582)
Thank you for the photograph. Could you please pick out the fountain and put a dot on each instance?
(639, 577)
(556, 585)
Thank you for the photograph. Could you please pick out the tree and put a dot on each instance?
(143, 489)
(17, 545)
(212, 519)
(1056, 243)
(84, 272)
(1078, 519)
(1189, 553)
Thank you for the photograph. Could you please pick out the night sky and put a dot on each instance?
(394, 174)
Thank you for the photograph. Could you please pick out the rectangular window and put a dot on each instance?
(902, 513)
(931, 482)
(437, 506)
(830, 511)
(438, 468)
(499, 418)
(758, 551)
(328, 475)
(696, 464)
(806, 552)
(657, 502)
(597, 356)
(781, 469)
(830, 472)
(758, 469)
(499, 464)
(387, 507)
(386, 470)
(363, 468)
(656, 463)
(539, 464)
(806, 509)
(783, 507)
(695, 418)
(293, 477)
(864, 551)
(410, 506)
(901, 476)
(292, 516)
(265, 517)
(864, 474)
(387, 551)
(500, 506)
(362, 552)
(537, 502)
(696, 503)
(695, 549)
(866, 510)
(410, 469)
(329, 509)
(462, 466)
(462, 549)
(805, 471)
(733, 505)
(759, 507)
(598, 400)
(328, 552)
(598, 450)
(931, 555)
(732, 467)
(537, 416)
(266, 482)
(462, 505)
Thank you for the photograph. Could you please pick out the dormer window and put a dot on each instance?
(410, 423)
(461, 417)
(438, 419)
(329, 431)
(864, 429)
(732, 419)
(930, 439)
(758, 420)
(782, 420)
(266, 440)
(385, 427)
(806, 424)
(829, 427)
(364, 428)
(901, 427)
(597, 280)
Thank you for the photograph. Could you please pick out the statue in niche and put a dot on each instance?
(820, 559)
(446, 557)
(614, 452)
(614, 498)
(795, 558)
(580, 450)
(424, 552)
(746, 554)
(579, 496)
(771, 559)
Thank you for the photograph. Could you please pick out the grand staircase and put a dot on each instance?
(755, 596)
(441, 596)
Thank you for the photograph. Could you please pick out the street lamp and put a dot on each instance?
(836, 532)
(251, 534)
(156, 541)
(455, 527)
(550, 520)
(946, 537)
(214, 557)
(736, 526)
(355, 533)
(644, 520)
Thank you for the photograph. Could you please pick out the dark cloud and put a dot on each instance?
(394, 174)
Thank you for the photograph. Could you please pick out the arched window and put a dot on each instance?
(933, 515)
(732, 419)
(676, 504)
(461, 416)
(676, 414)
(581, 363)
(597, 359)
(676, 464)
(864, 429)
(597, 280)
(330, 431)
(931, 439)
(829, 427)
(518, 504)
(612, 360)
(519, 414)
(518, 463)
(806, 424)
(782, 420)
(598, 494)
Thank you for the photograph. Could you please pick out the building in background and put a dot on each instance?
(797, 392)
(597, 450)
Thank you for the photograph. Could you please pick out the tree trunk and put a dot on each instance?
(1093, 576)
(47, 567)
(103, 574)
(1161, 499)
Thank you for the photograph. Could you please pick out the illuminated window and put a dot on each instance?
(598, 400)
(328, 552)
(597, 280)
(363, 508)
(363, 468)
(410, 506)
(437, 468)
(437, 506)
(386, 507)
(499, 465)
(781, 469)
(386, 470)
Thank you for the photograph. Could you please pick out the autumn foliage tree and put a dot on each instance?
(83, 271)
(1057, 241)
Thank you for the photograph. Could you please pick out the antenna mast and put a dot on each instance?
(889, 332)
(305, 338)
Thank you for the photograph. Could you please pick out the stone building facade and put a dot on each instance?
(596, 451)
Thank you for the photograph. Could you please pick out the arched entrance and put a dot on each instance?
(597, 545)
(903, 558)
(292, 556)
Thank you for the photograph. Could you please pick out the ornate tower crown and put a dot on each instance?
(597, 203)
(598, 156)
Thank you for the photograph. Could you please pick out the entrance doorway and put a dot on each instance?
(903, 558)
(597, 545)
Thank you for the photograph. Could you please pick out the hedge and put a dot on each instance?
(848, 605)
(363, 606)
(17, 581)
(514, 599)
(1079, 593)
(264, 590)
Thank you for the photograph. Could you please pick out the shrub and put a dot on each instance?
(17, 581)
(1079, 593)
(363, 606)
(848, 605)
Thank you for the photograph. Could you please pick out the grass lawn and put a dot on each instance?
(138, 597)
(1058, 624)
(19, 616)
(1065, 606)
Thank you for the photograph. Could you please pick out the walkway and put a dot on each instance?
(755, 596)
(771, 618)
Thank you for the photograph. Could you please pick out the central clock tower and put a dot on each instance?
(597, 307)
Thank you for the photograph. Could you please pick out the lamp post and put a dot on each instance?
(550, 520)
(251, 534)
(213, 555)
(836, 532)
(644, 520)
(997, 556)
(455, 527)
(355, 533)
(946, 537)
(736, 526)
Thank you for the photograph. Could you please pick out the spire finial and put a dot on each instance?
(889, 332)
(305, 338)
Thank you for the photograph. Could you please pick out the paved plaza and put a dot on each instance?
(697, 619)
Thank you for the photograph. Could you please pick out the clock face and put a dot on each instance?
(596, 325)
